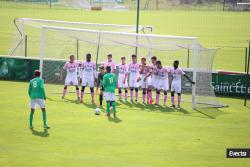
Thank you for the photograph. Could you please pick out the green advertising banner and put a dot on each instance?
(17, 69)
(231, 84)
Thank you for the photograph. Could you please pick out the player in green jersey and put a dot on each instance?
(109, 84)
(37, 97)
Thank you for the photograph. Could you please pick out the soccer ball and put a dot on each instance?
(97, 111)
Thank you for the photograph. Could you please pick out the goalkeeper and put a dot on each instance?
(37, 97)
(109, 84)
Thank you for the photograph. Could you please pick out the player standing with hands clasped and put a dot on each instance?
(88, 69)
(71, 67)
(176, 74)
(37, 97)
(123, 79)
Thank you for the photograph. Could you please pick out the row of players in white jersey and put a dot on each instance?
(130, 76)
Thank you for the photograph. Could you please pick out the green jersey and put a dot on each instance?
(36, 89)
(109, 82)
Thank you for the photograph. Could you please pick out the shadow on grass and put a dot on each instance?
(211, 113)
(115, 120)
(44, 133)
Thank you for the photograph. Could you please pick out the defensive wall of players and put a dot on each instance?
(21, 69)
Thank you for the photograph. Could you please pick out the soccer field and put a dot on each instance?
(143, 136)
(227, 31)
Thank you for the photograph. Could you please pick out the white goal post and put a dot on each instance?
(202, 92)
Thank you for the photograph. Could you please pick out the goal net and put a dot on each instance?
(27, 35)
(166, 48)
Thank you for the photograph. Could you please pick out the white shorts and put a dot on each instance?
(121, 83)
(109, 96)
(154, 82)
(35, 102)
(133, 82)
(163, 85)
(71, 79)
(144, 84)
(88, 81)
(176, 87)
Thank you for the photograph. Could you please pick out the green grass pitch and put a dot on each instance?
(216, 29)
(141, 137)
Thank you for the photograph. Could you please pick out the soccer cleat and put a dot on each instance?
(46, 127)
(125, 100)
(62, 97)
(120, 98)
(31, 127)
(150, 101)
(81, 101)
(178, 107)
(173, 106)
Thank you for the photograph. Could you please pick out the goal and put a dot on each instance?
(166, 48)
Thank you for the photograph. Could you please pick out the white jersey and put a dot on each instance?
(71, 68)
(123, 70)
(163, 73)
(134, 74)
(163, 83)
(176, 82)
(88, 69)
(111, 64)
(176, 74)
(154, 71)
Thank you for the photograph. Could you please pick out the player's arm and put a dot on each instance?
(191, 81)
(42, 89)
(62, 71)
(29, 90)
(149, 74)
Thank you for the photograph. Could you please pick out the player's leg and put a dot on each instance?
(157, 99)
(120, 93)
(45, 126)
(77, 92)
(165, 97)
(32, 111)
(126, 95)
(41, 103)
(101, 97)
(144, 95)
(179, 100)
(75, 83)
(113, 103)
(136, 93)
(82, 93)
(172, 98)
(131, 94)
(92, 94)
(64, 91)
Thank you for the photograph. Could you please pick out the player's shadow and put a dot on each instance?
(115, 120)
(71, 101)
(44, 133)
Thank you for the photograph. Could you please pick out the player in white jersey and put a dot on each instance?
(71, 67)
(110, 63)
(123, 78)
(163, 83)
(143, 79)
(88, 69)
(134, 73)
(153, 78)
(176, 74)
